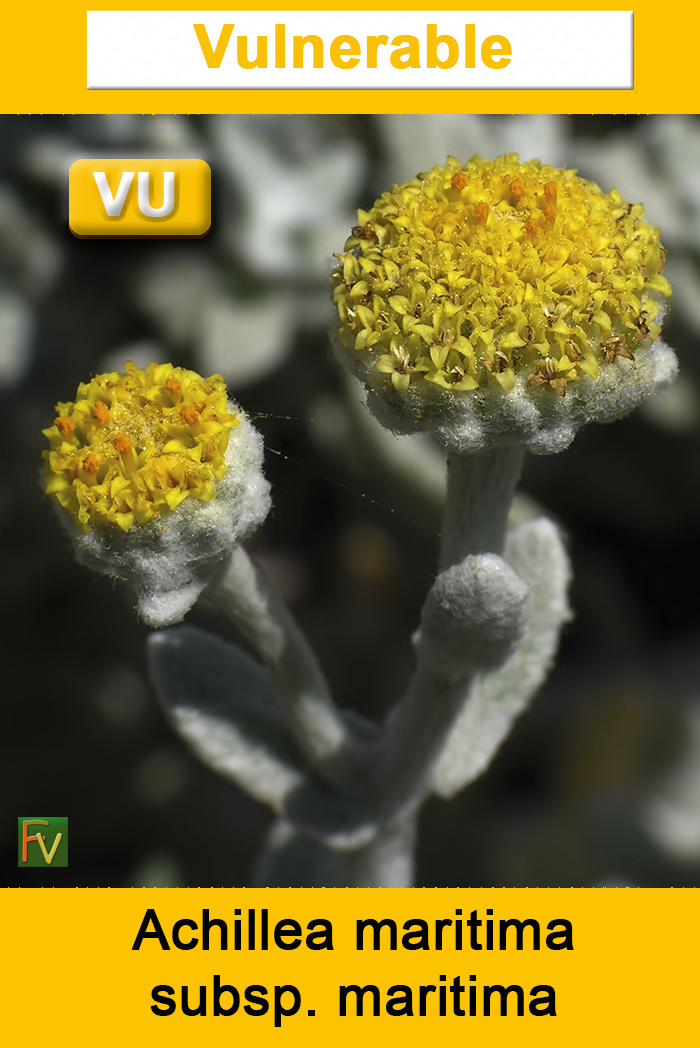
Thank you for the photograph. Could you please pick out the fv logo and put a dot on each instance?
(42, 842)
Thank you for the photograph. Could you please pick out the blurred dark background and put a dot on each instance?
(599, 784)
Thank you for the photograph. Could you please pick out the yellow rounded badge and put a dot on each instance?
(139, 198)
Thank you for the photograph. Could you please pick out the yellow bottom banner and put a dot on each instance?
(564, 966)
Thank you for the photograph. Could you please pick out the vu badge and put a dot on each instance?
(139, 198)
(42, 841)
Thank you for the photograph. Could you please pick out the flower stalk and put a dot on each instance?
(244, 595)
(480, 490)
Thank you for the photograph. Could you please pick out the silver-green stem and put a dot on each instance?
(480, 491)
(291, 859)
(243, 593)
(387, 861)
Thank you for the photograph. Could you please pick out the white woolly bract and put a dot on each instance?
(474, 616)
(534, 417)
(170, 560)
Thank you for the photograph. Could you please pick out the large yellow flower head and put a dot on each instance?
(157, 476)
(479, 295)
(134, 445)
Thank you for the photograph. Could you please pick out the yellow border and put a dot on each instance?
(44, 52)
(75, 979)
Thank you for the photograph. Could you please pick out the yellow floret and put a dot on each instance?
(135, 445)
(472, 274)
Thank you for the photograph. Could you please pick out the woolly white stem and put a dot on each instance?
(416, 733)
(479, 495)
(243, 593)
(480, 489)
(386, 862)
(292, 860)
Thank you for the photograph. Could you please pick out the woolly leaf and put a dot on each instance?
(224, 704)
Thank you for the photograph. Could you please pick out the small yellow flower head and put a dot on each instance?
(501, 302)
(135, 445)
(157, 476)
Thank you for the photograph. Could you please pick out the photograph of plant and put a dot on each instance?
(372, 604)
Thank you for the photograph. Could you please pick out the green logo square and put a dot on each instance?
(42, 840)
